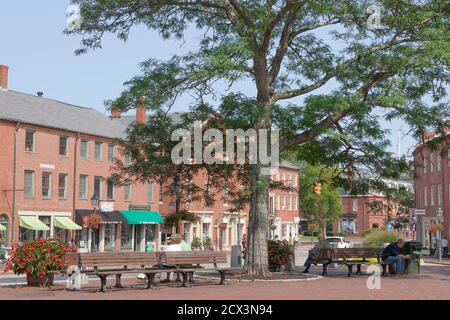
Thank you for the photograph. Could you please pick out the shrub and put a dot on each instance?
(278, 252)
(376, 239)
(207, 241)
(196, 242)
(38, 257)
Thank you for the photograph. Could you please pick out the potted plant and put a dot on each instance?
(38, 259)
(94, 220)
(207, 245)
(278, 252)
(196, 243)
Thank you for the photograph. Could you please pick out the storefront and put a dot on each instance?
(101, 231)
(140, 233)
(39, 224)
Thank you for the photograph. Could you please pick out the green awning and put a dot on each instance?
(2, 228)
(33, 223)
(65, 223)
(142, 217)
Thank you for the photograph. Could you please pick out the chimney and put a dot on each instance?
(141, 116)
(4, 76)
(115, 113)
(40, 94)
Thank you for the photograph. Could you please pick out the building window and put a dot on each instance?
(278, 202)
(161, 193)
(62, 186)
(439, 162)
(295, 203)
(63, 145)
(46, 185)
(150, 192)
(28, 183)
(127, 191)
(111, 152)
(290, 180)
(295, 180)
(98, 187)
(126, 237)
(98, 151)
(110, 237)
(110, 189)
(30, 140)
(284, 202)
(83, 187)
(205, 230)
(355, 205)
(84, 149)
(439, 194)
(432, 162)
(47, 221)
(425, 196)
(432, 195)
(290, 201)
(284, 178)
(127, 159)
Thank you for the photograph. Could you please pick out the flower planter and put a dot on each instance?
(38, 281)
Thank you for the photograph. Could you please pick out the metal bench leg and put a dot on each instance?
(325, 265)
(222, 277)
(384, 269)
(102, 283)
(185, 279)
(358, 269)
(118, 281)
(151, 281)
(350, 270)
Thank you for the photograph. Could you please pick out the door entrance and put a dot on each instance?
(95, 236)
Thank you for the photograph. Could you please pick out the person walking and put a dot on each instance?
(444, 244)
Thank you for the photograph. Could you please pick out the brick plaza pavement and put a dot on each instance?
(431, 284)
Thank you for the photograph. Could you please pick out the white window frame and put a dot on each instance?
(355, 205)
(32, 183)
(425, 196)
(284, 202)
(87, 149)
(127, 185)
(49, 196)
(111, 160)
(440, 194)
(100, 158)
(432, 195)
(290, 201)
(86, 187)
(150, 195)
(66, 180)
(278, 201)
(33, 132)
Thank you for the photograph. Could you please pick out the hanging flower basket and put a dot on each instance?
(95, 220)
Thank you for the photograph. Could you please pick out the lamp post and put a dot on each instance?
(95, 202)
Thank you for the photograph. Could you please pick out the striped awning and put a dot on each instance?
(33, 223)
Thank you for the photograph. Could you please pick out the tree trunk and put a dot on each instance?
(258, 230)
(257, 259)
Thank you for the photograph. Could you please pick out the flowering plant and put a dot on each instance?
(38, 257)
(95, 220)
(278, 252)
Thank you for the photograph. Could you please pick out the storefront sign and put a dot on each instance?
(106, 206)
(86, 222)
(47, 166)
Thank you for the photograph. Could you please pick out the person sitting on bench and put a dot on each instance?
(322, 244)
(391, 255)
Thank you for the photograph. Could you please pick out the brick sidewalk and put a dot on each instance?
(429, 285)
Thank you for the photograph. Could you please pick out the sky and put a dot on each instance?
(41, 58)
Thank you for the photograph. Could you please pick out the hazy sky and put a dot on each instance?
(41, 57)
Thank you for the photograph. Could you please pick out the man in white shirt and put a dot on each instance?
(444, 244)
(174, 245)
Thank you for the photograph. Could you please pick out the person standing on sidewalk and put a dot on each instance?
(444, 244)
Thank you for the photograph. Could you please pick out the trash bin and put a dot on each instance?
(414, 249)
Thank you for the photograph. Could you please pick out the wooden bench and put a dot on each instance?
(103, 264)
(188, 262)
(350, 257)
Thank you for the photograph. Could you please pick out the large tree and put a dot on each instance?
(321, 74)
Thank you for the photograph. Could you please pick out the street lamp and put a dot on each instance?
(95, 201)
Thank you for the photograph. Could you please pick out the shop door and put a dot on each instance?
(95, 236)
(137, 238)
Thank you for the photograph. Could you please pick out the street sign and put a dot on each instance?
(389, 227)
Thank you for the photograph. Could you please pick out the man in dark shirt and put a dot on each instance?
(321, 244)
(391, 255)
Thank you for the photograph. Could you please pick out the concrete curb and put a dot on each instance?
(315, 277)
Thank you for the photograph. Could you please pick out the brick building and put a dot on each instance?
(432, 184)
(57, 156)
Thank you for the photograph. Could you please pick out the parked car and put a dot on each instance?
(338, 242)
